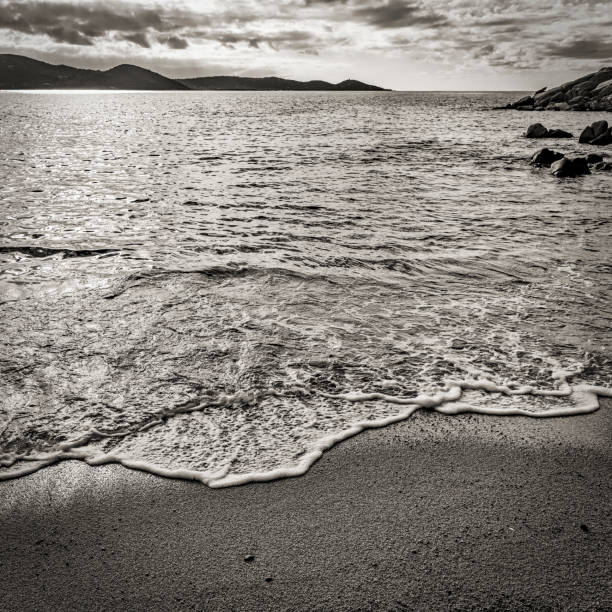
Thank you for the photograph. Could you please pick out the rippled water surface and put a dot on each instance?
(194, 282)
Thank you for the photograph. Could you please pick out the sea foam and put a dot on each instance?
(585, 400)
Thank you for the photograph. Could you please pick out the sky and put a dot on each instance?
(399, 44)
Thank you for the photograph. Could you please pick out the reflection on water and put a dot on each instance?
(161, 251)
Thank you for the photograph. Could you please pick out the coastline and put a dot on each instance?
(436, 512)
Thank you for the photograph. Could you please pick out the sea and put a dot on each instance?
(220, 286)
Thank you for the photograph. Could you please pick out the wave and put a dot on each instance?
(585, 401)
(228, 374)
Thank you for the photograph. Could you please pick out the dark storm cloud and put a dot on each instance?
(76, 23)
(68, 35)
(595, 49)
(503, 21)
(174, 42)
(81, 24)
(324, 2)
(295, 39)
(398, 14)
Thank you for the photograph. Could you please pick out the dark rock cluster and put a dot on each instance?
(537, 130)
(563, 166)
(592, 92)
(566, 166)
(545, 158)
(597, 133)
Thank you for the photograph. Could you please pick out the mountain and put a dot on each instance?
(273, 84)
(20, 72)
(592, 92)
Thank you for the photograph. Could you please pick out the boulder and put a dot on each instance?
(593, 158)
(599, 128)
(559, 134)
(587, 135)
(526, 101)
(536, 130)
(545, 157)
(603, 167)
(597, 133)
(567, 167)
(603, 140)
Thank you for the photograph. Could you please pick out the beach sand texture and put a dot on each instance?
(468, 512)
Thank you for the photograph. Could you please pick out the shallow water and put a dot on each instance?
(193, 282)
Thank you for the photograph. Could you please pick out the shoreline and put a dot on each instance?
(587, 397)
(436, 512)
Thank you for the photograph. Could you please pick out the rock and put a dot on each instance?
(557, 98)
(567, 167)
(249, 558)
(559, 134)
(603, 140)
(597, 133)
(590, 92)
(599, 128)
(526, 101)
(587, 135)
(545, 157)
(603, 167)
(593, 158)
(536, 130)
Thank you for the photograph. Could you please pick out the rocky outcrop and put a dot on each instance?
(597, 133)
(537, 130)
(545, 157)
(525, 103)
(567, 167)
(592, 92)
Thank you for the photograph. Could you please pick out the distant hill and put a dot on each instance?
(273, 84)
(20, 72)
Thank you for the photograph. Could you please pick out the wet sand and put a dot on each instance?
(463, 513)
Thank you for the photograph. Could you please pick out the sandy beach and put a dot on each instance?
(461, 513)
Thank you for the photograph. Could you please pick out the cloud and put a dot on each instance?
(595, 49)
(63, 34)
(138, 38)
(86, 23)
(398, 14)
(84, 20)
(300, 40)
(174, 42)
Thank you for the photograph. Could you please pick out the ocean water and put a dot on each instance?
(220, 286)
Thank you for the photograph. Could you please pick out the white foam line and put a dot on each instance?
(586, 402)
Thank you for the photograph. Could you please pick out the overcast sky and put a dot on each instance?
(401, 44)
